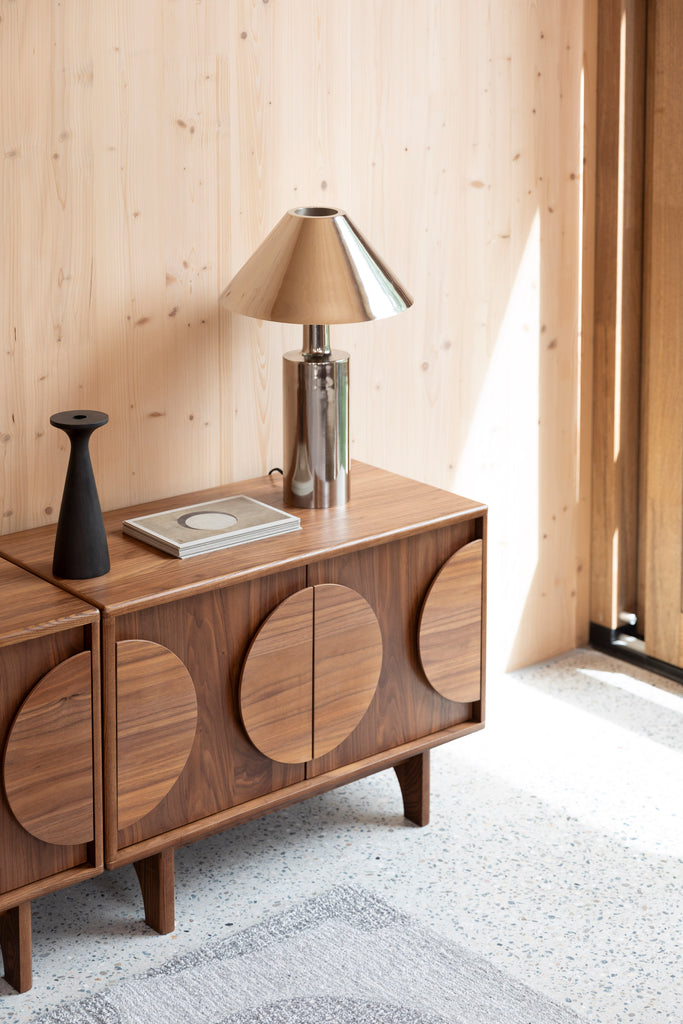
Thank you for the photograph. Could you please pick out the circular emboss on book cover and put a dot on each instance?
(156, 722)
(310, 673)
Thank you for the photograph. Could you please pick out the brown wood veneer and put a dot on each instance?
(344, 594)
(16, 946)
(450, 630)
(156, 725)
(347, 663)
(276, 690)
(48, 763)
(310, 673)
(50, 731)
(383, 507)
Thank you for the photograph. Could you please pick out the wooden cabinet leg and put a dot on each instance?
(413, 778)
(15, 944)
(156, 875)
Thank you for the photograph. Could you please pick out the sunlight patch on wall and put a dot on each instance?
(499, 463)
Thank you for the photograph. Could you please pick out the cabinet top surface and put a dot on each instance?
(383, 507)
(30, 607)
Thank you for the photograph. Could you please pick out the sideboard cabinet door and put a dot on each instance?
(47, 816)
(395, 579)
(179, 725)
(310, 673)
(50, 767)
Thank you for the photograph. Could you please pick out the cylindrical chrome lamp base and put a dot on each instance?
(316, 429)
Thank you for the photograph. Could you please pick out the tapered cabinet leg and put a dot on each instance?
(413, 778)
(15, 943)
(156, 875)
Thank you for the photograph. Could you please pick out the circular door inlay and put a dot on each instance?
(156, 712)
(348, 662)
(450, 628)
(310, 673)
(48, 765)
(276, 688)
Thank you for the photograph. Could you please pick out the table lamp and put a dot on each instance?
(315, 269)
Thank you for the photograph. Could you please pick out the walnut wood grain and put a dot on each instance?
(413, 778)
(394, 578)
(210, 633)
(48, 763)
(384, 507)
(310, 673)
(276, 692)
(15, 945)
(347, 663)
(156, 725)
(387, 545)
(156, 876)
(26, 863)
(286, 797)
(30, 607)
(450, 629)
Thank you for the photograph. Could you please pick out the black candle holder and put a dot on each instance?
(81, 550)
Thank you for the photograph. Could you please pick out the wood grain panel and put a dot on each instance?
(141, 576)
(450, 628)
(156, 875)
(29, 607)
(276, 690)
(617, 316)
(48, 763)
(156, 724)
(347, 663)
(148, 149)
(15, 946)
(393, 578)
(210, 633)
(662, 536)
(27, 862)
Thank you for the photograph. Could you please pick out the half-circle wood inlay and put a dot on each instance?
(348, 662)
(450, 626)
(310, 673)
(276, 688)
(48, 763)
(156, 708)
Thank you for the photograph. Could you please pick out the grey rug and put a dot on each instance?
(345, 957)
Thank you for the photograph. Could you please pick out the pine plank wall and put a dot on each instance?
(147, 148)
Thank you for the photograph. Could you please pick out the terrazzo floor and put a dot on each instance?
(555, 849)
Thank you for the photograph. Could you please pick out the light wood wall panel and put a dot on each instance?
(453, 134)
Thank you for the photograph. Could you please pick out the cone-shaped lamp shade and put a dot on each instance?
(315, 267)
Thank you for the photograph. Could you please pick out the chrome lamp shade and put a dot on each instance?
(315, 269)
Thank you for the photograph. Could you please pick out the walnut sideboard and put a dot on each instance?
(232, 683)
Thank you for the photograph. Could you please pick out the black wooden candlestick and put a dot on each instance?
(81, 550)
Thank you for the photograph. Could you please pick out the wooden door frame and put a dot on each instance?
(619, 208)
(625, 144)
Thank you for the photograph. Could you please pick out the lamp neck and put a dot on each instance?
(316, 342)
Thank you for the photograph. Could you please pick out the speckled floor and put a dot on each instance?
(555, 850)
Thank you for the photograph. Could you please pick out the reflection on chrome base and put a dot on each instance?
(316, 429)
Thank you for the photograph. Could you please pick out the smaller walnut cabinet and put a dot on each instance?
(50, 797)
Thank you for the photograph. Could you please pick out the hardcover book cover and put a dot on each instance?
(211, 525)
